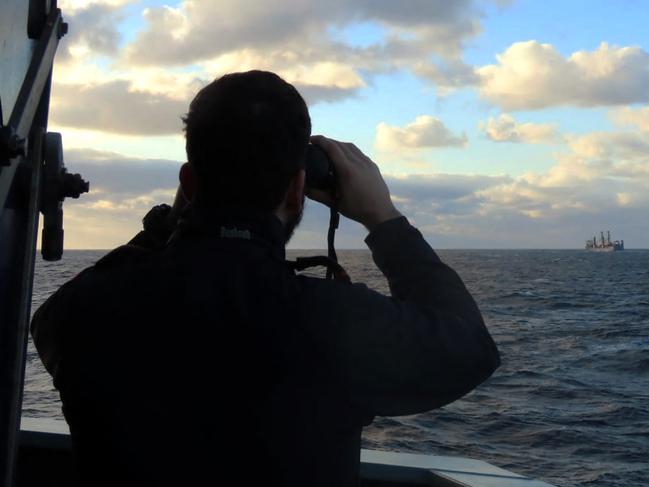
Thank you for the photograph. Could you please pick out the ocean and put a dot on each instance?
(570, 402)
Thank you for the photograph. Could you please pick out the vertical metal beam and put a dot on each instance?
(29, 96)
(20, 189)
(20, 175)
(17, 256)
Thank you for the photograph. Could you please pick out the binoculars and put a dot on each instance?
(319, 169)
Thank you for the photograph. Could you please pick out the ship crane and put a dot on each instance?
(605, 244)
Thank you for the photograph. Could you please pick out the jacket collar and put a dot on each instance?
(262, 228)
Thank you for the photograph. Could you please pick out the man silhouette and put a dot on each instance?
(207, 358)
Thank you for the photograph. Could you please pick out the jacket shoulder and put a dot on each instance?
(121, 255)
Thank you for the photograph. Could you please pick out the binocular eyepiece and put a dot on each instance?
(319, 169)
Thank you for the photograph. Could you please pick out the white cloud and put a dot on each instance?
(601, 177)
(506, 129)
(72, 5)
(635, 117)
(612, 146)
(93, 28)
(425, 37)
(315, 80)
(423, 133)
(181, 48)
(530, 75)
(203, 29)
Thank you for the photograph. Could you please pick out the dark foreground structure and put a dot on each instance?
(45, 460)
(33, 179)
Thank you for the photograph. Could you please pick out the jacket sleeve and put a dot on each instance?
(47, 327)
(50, 324)
(420, 349)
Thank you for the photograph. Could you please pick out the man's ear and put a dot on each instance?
(187, 177)
(295, 192)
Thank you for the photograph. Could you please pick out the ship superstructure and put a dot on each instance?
(604, 244)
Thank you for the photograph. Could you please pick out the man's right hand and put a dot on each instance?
(362, 194)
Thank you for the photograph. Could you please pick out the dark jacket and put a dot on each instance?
(210, 359)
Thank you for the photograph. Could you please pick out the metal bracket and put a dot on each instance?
(58, 184)
(10, 145)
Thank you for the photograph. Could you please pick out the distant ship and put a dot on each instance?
(604, 245)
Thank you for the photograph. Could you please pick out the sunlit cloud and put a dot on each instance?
(574, 198)
(94, 28)
(115, 107)
(424, 132)
(506, 129)
(315, 80)
(202, 29)
(124, 96)
(634, 117)
(530, 75)
(73, 5)
(612, 146)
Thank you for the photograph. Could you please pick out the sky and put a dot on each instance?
(496, 124)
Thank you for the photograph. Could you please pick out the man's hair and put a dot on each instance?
(246, 137)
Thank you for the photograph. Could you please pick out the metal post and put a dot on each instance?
(17, 288)
(21, 158)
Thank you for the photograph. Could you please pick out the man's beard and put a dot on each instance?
(293, 223)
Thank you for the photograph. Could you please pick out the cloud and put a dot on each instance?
(116, 176)
(202, 29)
(122, 190)
(93, 28)
(440, 188)
(423, 133)
(109, 221)
(618, 147)
(530, 76)
(559, 208)
(425, 37)
(436, 202)
(115, 107)
(153, 101)
(136, 88)
(601, 181)
(448, 75)
(535, 210)
(506, 129)
(634, 117)
(74, 5)
(316, 80)
(624, 199)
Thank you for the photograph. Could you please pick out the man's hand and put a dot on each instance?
(362, 194)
